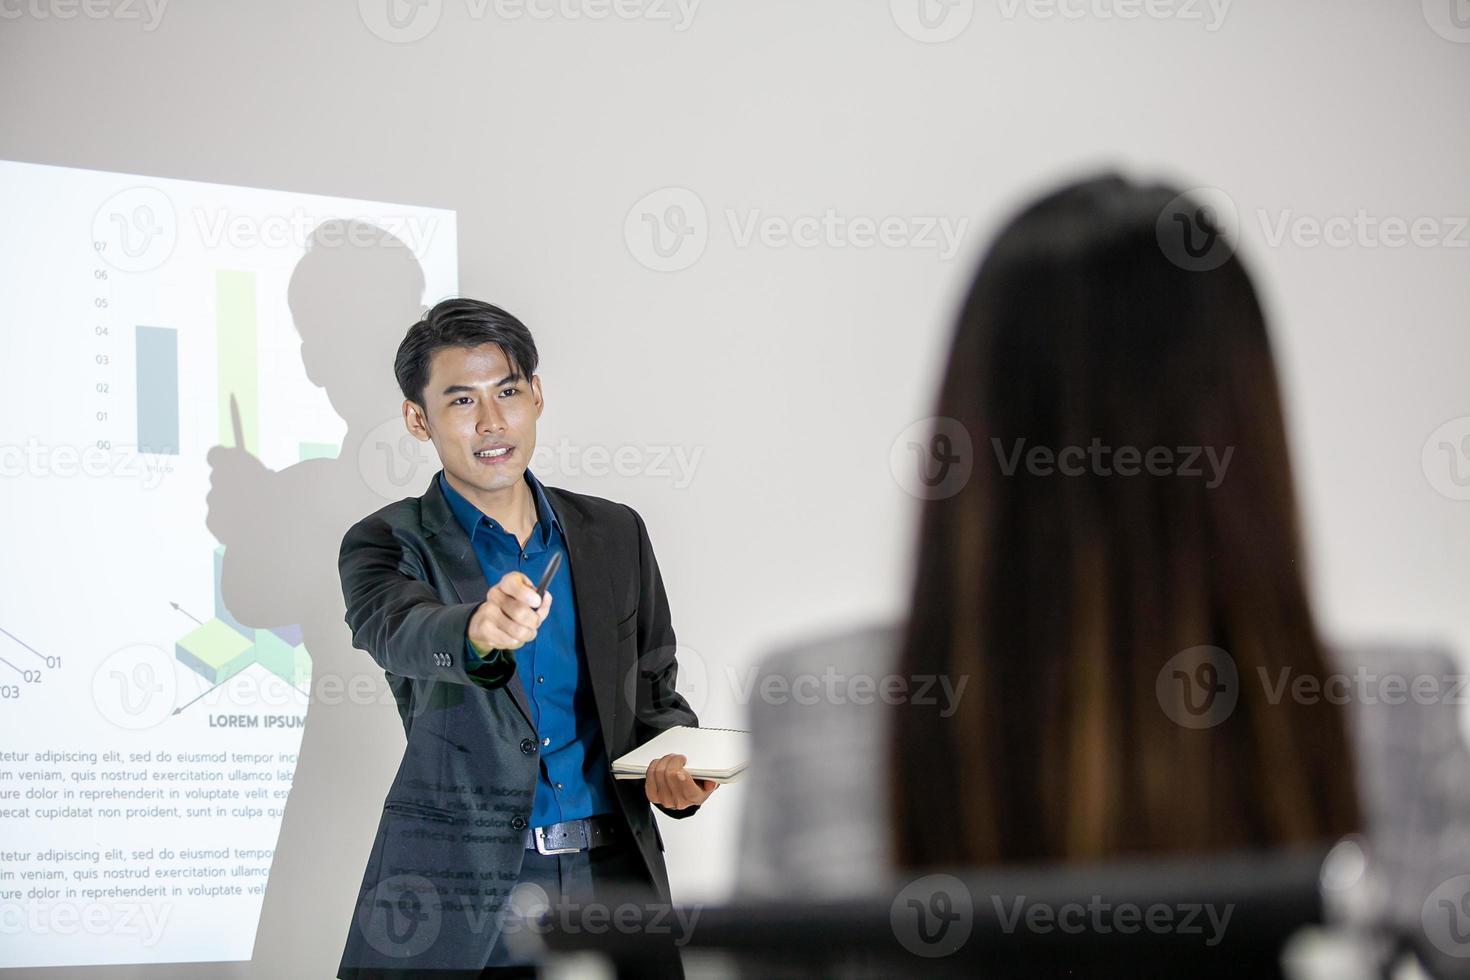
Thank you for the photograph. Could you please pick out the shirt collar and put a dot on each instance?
(470, 516)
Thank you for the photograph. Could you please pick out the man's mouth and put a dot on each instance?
(495, 454)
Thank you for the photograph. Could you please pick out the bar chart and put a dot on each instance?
(159, 400)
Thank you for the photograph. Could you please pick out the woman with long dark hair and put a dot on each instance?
(1063, 590)
(1114, 602)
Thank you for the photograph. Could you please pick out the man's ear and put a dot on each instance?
(536, 394)
(415, 421)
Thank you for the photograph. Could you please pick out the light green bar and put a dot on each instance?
(236, 341)
(214, 651)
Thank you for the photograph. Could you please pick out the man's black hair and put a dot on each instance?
(460, 323)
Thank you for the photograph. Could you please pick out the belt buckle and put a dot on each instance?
(539, 834)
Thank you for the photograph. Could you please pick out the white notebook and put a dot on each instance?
(717, 754)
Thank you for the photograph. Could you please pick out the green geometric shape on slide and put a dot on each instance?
(301, 668)
(287, 661)
(215, 651)
(318, 450)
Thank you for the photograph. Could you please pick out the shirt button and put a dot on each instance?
(528, 746)
(558, 785)
(546, 741)
(541, 680)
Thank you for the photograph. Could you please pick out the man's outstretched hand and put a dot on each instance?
(510, 615)
(668, 785)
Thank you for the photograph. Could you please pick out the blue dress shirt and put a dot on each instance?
(575, 779)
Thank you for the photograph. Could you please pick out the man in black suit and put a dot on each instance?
(512, 704)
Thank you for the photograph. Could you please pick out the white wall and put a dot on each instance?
(792, 369)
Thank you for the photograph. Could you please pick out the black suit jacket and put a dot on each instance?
(451, 838)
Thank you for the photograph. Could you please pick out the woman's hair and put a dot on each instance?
(1120, 577)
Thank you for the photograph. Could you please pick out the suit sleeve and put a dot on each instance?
(658, 705)
(398, 618)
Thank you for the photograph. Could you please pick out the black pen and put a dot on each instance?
(548, 575)
(499, 664)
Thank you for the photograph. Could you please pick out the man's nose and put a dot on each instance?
(490, 419)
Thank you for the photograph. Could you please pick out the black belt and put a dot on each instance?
(573, 835)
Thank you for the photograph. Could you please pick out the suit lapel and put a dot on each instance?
(449, 540)
(592, 582)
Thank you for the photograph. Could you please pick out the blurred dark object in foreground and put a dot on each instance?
(1220, 917)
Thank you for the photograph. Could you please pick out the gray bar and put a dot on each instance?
(158, 390)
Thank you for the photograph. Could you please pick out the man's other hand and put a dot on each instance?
(668, 785)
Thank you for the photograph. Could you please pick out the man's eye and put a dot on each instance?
(509, 391)
(461, 398)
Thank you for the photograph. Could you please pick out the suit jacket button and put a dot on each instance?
(528, 746)
(517, 823)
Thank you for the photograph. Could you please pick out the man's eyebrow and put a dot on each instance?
(456, 389)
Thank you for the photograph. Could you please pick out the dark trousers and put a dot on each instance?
(568, 884)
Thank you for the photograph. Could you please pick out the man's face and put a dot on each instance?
(480, 414)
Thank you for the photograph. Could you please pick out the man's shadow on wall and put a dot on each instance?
(352, 297)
